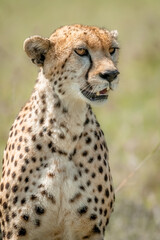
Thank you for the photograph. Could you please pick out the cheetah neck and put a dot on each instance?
(62, 119)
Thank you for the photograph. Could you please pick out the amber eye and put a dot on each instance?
(112, 50)
(81, 51)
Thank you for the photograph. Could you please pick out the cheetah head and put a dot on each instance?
(79, 61)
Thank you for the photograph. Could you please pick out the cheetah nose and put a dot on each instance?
(109, 75)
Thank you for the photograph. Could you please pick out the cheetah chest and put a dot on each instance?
(79, 187)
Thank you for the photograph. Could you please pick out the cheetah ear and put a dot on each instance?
(36, 48)
(114, 34)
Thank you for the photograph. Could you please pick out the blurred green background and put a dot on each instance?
(130, 119)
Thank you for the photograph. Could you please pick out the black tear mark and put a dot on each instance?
(91, 64)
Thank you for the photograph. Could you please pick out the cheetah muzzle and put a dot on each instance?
(56, 179)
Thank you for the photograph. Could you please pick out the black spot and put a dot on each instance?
(50, 144)
(33, 197)
(86, 170)
(82, 210)
(75, 178)
(107, 221)
(95, 147)
(41, 134)
(14, 188)
(26, 149)
(7, 185)
(53, 149)
(23, 201)
(64, 110)
(105, 178)
(74, 138)
(26, 160)
(88, 140)
(107, 193)
(2, 186)
(33, 159)
(89, 200)
(86, 121)
(81, 165)
(99, 157)
(101, 147)
(34, 138)
(82, 187)
(105, 155)
(105, 212)
(102, 200)
(76, 197)
(85, 153)
(7, 195)
(15, 199)
(19, 147)
(20, 178)
(23, 168)
(90, 160)
(105, 163)
(100, 223)
(93, 175)
(25, 217)
(15, 163)
(39, 147)
(62, 136)
(100, 211)
(96, 229)
(39, 210)
(52, 198)
(88, 183)
(8, 173)
(29, 129)
(99, 187)
(57, 105)
(80, 174)
(96, 199)
(62, 152)
(41, 120)
(22, 232)
(93, 216)
(26, 179)
(7, 218)
(100, 169)
(37, 222)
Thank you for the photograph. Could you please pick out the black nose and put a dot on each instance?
(109, 75)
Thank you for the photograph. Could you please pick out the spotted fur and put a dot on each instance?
(56, 180)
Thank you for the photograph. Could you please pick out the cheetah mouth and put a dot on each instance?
(97, 96)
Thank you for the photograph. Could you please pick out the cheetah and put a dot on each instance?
(56, 181)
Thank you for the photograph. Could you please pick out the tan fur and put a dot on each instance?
(56, 181)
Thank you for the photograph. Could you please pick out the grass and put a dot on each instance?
(131, 117)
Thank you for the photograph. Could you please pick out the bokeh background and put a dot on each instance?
(130, 119)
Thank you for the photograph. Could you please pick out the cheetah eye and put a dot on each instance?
(81, 51)
(112, 51)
